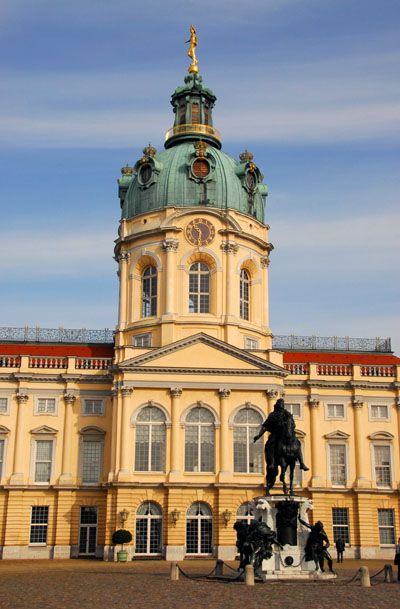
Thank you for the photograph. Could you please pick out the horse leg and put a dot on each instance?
(282, 479)
(292, 466)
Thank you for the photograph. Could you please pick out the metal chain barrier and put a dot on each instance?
(376, 575)
(283, 564)
(210, 576)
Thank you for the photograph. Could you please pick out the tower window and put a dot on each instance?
(195, 114)
(199, 288)
(149, 292)
(145, 173)
(201, 168)
(244, 294)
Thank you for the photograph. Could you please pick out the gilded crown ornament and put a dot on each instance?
(149, 151)
(246, 156)
(193, 68)
(201, 148)
(126, 171)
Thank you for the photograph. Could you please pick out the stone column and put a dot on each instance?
(316, 448)
(125, 461)
(123, 260)
(170, 246)
(225, 447)
(359, 444)
(176, 446)
(66, 474)
(18, 474)
(264, 261)
(114, 432)
(230, 248)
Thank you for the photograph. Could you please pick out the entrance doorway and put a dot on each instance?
(88, 531)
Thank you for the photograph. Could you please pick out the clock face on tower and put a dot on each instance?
(200, 232)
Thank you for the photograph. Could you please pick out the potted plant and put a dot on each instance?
(119, 538)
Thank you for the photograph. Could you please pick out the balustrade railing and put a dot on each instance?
(48, 363)
(330, 343)
(55, 335)
(382, 371)
(89, 363)
(10, 361)
(334, 369)
(297, 368)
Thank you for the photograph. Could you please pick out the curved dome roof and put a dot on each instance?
(190, 174)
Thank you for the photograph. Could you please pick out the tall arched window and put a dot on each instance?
(148, 538)
(199, 288)
(150, 440)
(244, 294)
(199, 440)
(245, 513)
(199, 529)
(247, 455)
(149, 291)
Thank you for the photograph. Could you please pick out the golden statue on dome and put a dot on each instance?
(193, 68)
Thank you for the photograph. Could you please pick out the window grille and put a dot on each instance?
(247, 455)
(92, 457)
(199, 288)
(39, 524)
(387, 534)
(199, 440)
(93, 407)
(244, 294)
(383, 474)
(46, 405)
(43, 460)
(150, 440)
(340, 524)
(149, 292)
(148, 537)
(199, 529)
(337, 453)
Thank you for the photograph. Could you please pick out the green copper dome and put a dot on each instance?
(192, 171)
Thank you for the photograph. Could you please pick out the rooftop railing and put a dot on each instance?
(55, 335)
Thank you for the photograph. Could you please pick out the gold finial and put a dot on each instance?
(149, 151)
(127, 171)
(246, 156)
(193, 68)
(201, 148)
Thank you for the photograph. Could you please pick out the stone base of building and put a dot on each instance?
(28, 552)
(174, 553)
(226, 552)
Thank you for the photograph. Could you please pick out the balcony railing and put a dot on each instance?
(90, 363)
(55, 335)
(334, 369)
(49, 363)
(330, 343)
(297, 368)
(10, 361)
(377, 371)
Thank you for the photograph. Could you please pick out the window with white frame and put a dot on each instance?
(245, 513)
(199, 288)
(199, 440)
(142, 340)
(43, 459)
(39, 525)
(148, 533)
(251, 343)
(335, 411)
(337, 462)
(94, 407)
(294, 409)
(46, 406)
(340, 524)
(150, 440)
(382, 461)
(379, 411)
(387, 534)
(3, 405)
(92, 448)
(244, 294)
(247, 455)
(199, 529)
(149, 292)
(2, 445)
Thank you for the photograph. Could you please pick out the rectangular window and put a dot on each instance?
(46, 406)
(383, 474)
(92, 457)
(337, 453)
(251, 343)
(2, 442)
(379, 411)
(142, 340)
(93, 407)
(387, 534)
(3, 405)
(335, 411)
(340, 522)
(294, 409)
(43, 460)
(195, 114)
(39, 524)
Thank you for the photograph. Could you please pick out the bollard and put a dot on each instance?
(365, 581)
(249, 575)
(388, 574)
(219, 567)
(174, 572)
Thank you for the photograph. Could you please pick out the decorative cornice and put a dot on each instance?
(224, 392)
(229, 247)
(337, 435)
(170, 245)
(21, 398)
(175, 392)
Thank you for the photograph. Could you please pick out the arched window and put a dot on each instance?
(199, 529)
(245, 513)
(150, 440)
(199, 288)
(148, 529)
(149, 291)
(199, 440)
(244, 294)
(247, 455)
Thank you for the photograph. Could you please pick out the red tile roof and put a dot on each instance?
(57, 350)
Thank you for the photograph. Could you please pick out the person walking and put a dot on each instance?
(340, 546)
(397, 558)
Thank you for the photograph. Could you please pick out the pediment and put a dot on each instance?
(381, 435)
(299, 433)
(202, 353)
(4, 430)
(44, 429)
(337, 435)
(92, 430)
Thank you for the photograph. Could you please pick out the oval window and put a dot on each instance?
(145, 173)
(201, 168)
(251, 180)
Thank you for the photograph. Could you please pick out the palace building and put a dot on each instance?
(152, 427)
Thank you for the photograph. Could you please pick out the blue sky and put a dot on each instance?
(311, 87)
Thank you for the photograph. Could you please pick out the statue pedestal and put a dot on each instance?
(281, 512)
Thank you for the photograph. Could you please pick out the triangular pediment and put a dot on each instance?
(337, 435)
(44, 429)
(202, 352)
